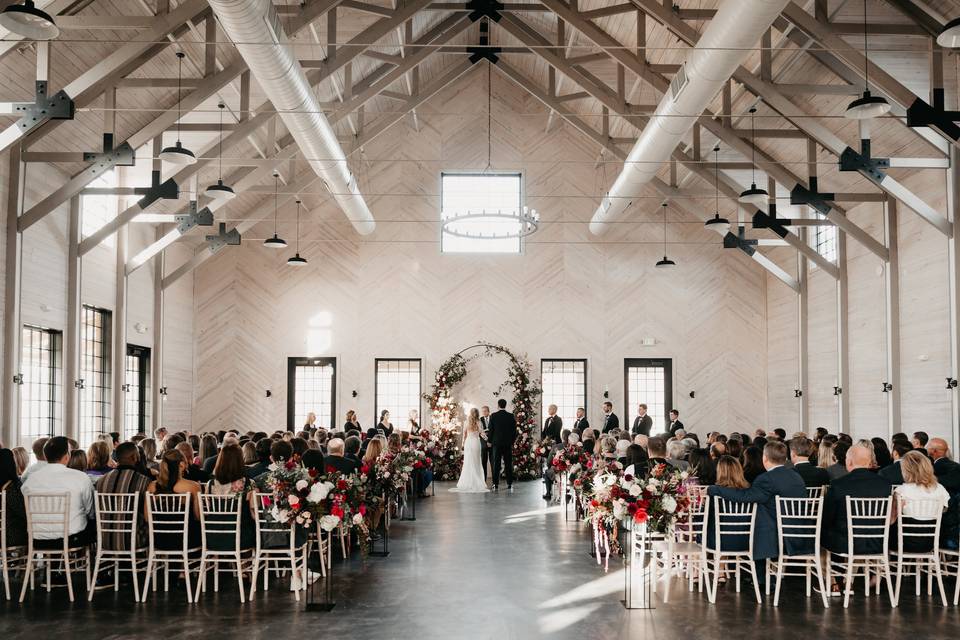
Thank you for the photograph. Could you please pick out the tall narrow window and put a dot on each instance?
(311, 388)
(40, 395)
(564, 384)
(136, 391)
(474, 193)
(398, 390)
(825, 240)
(648, 381)
(95, 331)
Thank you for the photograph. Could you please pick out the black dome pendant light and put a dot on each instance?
(755, 196)
(220, 191)
(866, 106)
(276, 242)
(716, 223)
(178, 154)
(297, 260)
(666, 263)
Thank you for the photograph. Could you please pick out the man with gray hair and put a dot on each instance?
(676, 454)
(336, 459)
(859, 482)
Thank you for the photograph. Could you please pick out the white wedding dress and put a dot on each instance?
(471, 476)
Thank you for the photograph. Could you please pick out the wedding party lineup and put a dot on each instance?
(473, 320)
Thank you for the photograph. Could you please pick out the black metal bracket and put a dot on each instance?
(801, 195)
(166, 190)
(43, 108)
(223, 238)
(797, 393)
(837, 391)
(921, 114)
(18, 378)
(483, 51)
(951, 383)
(887, 387)
(80, 384)
(484, 9)
(193, 218)
(763, 221)
(871, 168)
(110, 157)
(733, 241)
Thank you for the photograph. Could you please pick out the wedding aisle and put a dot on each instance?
(476, 566)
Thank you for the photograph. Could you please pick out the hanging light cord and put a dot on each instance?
(664, 229)
(276, 191)
(716, 175)
(298, 227)
(866, 60)
(180, 55)
(489, 118)
(753, 143)
(220, 144)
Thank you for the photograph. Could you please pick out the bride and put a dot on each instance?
(471, 476)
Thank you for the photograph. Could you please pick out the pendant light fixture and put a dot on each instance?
(753, 195)
(28, 21)
(949, 36)
(866, 106)
(297, 260)
(220, 191)
(178, 154)
(276, 242)
(666, 263)
(716, 223)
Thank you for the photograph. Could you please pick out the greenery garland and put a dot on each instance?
(445, 408)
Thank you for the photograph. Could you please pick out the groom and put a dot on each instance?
(503, 431)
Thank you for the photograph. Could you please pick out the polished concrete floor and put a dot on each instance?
(474, 566)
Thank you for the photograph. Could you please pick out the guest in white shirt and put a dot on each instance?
(56, 477)
(919, 499)
(38, 445)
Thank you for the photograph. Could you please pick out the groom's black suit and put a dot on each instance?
(503, 431)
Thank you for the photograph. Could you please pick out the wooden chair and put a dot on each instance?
(688, 550)
(923, 528)
(52, 511)
(867, 524)
(220, 518)
(118, 515)
(168, 516)
(798, 527)
(733, 521)
(12, 558)
(277, 545)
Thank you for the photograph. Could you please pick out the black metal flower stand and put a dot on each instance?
(323, 601)
(411, 504)
(384, 541)
(637, 559)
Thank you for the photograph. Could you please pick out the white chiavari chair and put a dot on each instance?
(52, 512)
(921, 533)
(688, 551)
(734, 524)
(117, 520)
(798, 542)
(815, 492)
(168, 540)
(221, 546)
(278, 547)
(868, 546)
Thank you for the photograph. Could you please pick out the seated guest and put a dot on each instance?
(211, 462)
(893, 472)
(636, 461)
(370, 461)
(313, 460)
(250, 453)
(946, 470)
(351, 449)
(608, 449)
(125, 478)
(299, 446)
(730, 473)
(335, 459)
(208, 447)
(170, 480)
(230, 479)
(920, 483)
(701, 466)
(193, 472)
(753, 466)
(676, 452)
(838, 468)
(16, 517)
(98, 459)
(859, 482)
(22, 458)
(735, 448)
(588, 446)
(38, 446)
(657, 452)
(394, 443)
(776, 481)
(621, 451)
(801, 448)
(55, 477)
(78, 460)
(919, 440)
(881, 452)
(264, 453)
(717, 451)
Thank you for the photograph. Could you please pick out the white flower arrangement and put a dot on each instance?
(329, 523)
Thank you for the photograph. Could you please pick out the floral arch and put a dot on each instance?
(445, 410)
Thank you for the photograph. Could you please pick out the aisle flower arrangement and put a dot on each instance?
(571, 459)
(395, 469)
(307, 498)
(443, 449)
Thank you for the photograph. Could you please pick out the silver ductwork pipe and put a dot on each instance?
(728, 40)
(254, 27)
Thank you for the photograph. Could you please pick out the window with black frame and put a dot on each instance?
(564, 383)
(95, 336)
(41, 391)
(136, 391)
(398, 390)
(311, 388)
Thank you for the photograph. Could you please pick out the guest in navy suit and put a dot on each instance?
(892, 471)
(859, 482)
(777, 481)
(801, 448)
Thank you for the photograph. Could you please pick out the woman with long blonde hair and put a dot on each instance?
(730, 473)
(918, 500)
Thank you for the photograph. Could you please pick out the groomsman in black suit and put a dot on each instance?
(484, 438)
(581, 422)
(643, 422)
(503, 431)
(610, 419)
(552, 425)
(675, 424)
